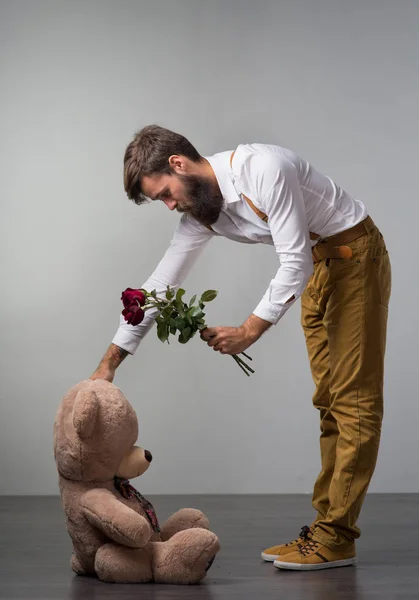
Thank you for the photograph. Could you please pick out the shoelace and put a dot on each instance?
(303, 535)
(309, 547)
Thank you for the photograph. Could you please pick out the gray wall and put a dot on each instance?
(336, 81)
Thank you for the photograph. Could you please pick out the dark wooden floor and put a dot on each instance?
(35, 552)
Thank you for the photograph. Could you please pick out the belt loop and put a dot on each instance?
(369, 224)
(316, 254)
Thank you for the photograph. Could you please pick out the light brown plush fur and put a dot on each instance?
(95, 431)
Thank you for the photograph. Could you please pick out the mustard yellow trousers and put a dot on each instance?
(344, 318)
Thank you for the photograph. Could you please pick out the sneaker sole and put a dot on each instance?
(269, 557)
(348, 562)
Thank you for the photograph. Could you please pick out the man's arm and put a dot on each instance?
(187, 244)
(280, 197)
(109, 363)
(233, 340)
(282, 200)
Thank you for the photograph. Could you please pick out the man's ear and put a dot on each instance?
(178, 164)
(85, 411)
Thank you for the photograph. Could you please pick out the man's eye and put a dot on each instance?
(166, 195)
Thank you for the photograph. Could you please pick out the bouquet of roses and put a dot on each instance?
(174, 315)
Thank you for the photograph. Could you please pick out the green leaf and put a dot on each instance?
(209, 295)
(192, 300)
(202, 326)
(166, 313)
(179, 307)
(179, 294)
(196, 312)
(172, 329)
(185, 335)
(170, 293)
(154, 294)
(162, 331)
(180, 323)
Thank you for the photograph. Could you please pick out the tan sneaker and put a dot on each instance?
(313, 556)
(271, 554)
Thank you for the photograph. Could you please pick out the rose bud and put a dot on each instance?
(133, 314)
(131, 296)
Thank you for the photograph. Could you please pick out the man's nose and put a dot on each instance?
(171, 204)
(148, 455)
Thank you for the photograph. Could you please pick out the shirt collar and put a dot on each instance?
(220, 164)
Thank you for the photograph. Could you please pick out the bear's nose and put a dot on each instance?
(148, 455)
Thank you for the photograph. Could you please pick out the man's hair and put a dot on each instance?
(148, 154)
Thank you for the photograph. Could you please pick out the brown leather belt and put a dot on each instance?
(335, 246)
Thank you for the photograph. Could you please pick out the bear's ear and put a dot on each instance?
(85, 411)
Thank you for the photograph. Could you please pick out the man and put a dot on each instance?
(331, 255)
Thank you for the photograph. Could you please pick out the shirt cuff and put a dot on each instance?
(125, 341)
(128, 337)
(271, 312)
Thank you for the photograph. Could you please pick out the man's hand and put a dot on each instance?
(109, 363)
(227, 340)
(233, 340)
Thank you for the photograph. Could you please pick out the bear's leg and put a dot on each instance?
(76, 565)
(186, 518)
(185, 558)
(119, 564)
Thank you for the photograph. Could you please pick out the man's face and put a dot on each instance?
(186, 193)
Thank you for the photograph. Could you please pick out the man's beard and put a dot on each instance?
(204, 199)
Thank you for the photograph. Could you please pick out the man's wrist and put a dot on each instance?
(254, 327)
(113, 357)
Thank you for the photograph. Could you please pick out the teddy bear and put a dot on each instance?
(114, 529)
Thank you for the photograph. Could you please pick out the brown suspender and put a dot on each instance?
(336, 247)
(259, 213)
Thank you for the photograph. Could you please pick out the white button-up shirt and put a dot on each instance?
(297, 200)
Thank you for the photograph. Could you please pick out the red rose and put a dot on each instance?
(131, 296)
(133, 314)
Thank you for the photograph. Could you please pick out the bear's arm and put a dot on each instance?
(117, 521)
